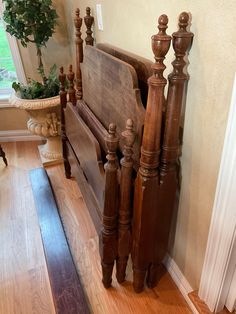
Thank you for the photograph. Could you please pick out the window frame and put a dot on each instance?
(20, 72)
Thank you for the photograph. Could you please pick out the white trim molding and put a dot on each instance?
(222, 234)
(180, 281)
(17, 59)
(18, 136)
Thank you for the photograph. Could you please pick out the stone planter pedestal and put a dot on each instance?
(44, 120)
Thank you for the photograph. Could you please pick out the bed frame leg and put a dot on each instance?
(108, 239)
(146, 195)
(138, 279)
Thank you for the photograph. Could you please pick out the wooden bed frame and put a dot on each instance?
(119, 109)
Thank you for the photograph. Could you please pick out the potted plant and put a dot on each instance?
(34, 21)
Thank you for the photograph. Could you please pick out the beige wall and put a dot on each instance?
(57, 51)
(12, 119)
(129, 25)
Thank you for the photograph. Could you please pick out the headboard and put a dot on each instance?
(111, 91)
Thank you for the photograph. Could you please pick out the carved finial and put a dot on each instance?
(62, 78)
(152, 131)
(129, 138)
(88, 11)
(182, 42)
(89, 20)
(71, 75)
(160, 46)
(71, 90)
(78, 23)
(112, 143)
(79, 52)
(183, 21)
(78, 20)
(162, 24)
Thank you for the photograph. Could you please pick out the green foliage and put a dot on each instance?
(34, 89)
(30, 20)
(33, 21)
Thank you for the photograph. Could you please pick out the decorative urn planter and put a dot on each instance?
(44, 120)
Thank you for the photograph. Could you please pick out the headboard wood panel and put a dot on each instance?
(87, 149)
(110, 90)
(141, 65)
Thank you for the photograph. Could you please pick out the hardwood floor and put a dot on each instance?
(84, 246)
(67, 290)
(24, 283)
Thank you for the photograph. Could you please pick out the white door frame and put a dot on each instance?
(222, 234)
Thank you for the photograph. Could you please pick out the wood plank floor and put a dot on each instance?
(24, 283)
(67, 290)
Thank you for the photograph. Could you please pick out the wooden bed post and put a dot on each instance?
(108, 240)
(89, 20)
(79, 53)
(63, 98)
(71, 89)
(124, 228)
(147, 181)
(182, 41)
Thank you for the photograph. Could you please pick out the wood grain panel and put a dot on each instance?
(87, 150)
(110, 89)
(67, 290)
(88, 195)
(141, 65)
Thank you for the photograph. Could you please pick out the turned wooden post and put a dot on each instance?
(182, 41)
(89, 20)
(147, 181)
(71, 89)
(79, 54)
(124, 228)
(63, 98)
(108, 240)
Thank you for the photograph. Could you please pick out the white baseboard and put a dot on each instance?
(18, 136)
(180, 281)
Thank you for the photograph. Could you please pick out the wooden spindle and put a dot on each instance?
(124, 228)
(182, 41)
(108, 240)
(79, 54)
(147, 181)
(63, 98)
(89, 20)
(71, 89)
(169, 185)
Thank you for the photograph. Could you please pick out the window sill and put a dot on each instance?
(4, 101)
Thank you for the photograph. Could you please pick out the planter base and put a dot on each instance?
(46, 161)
